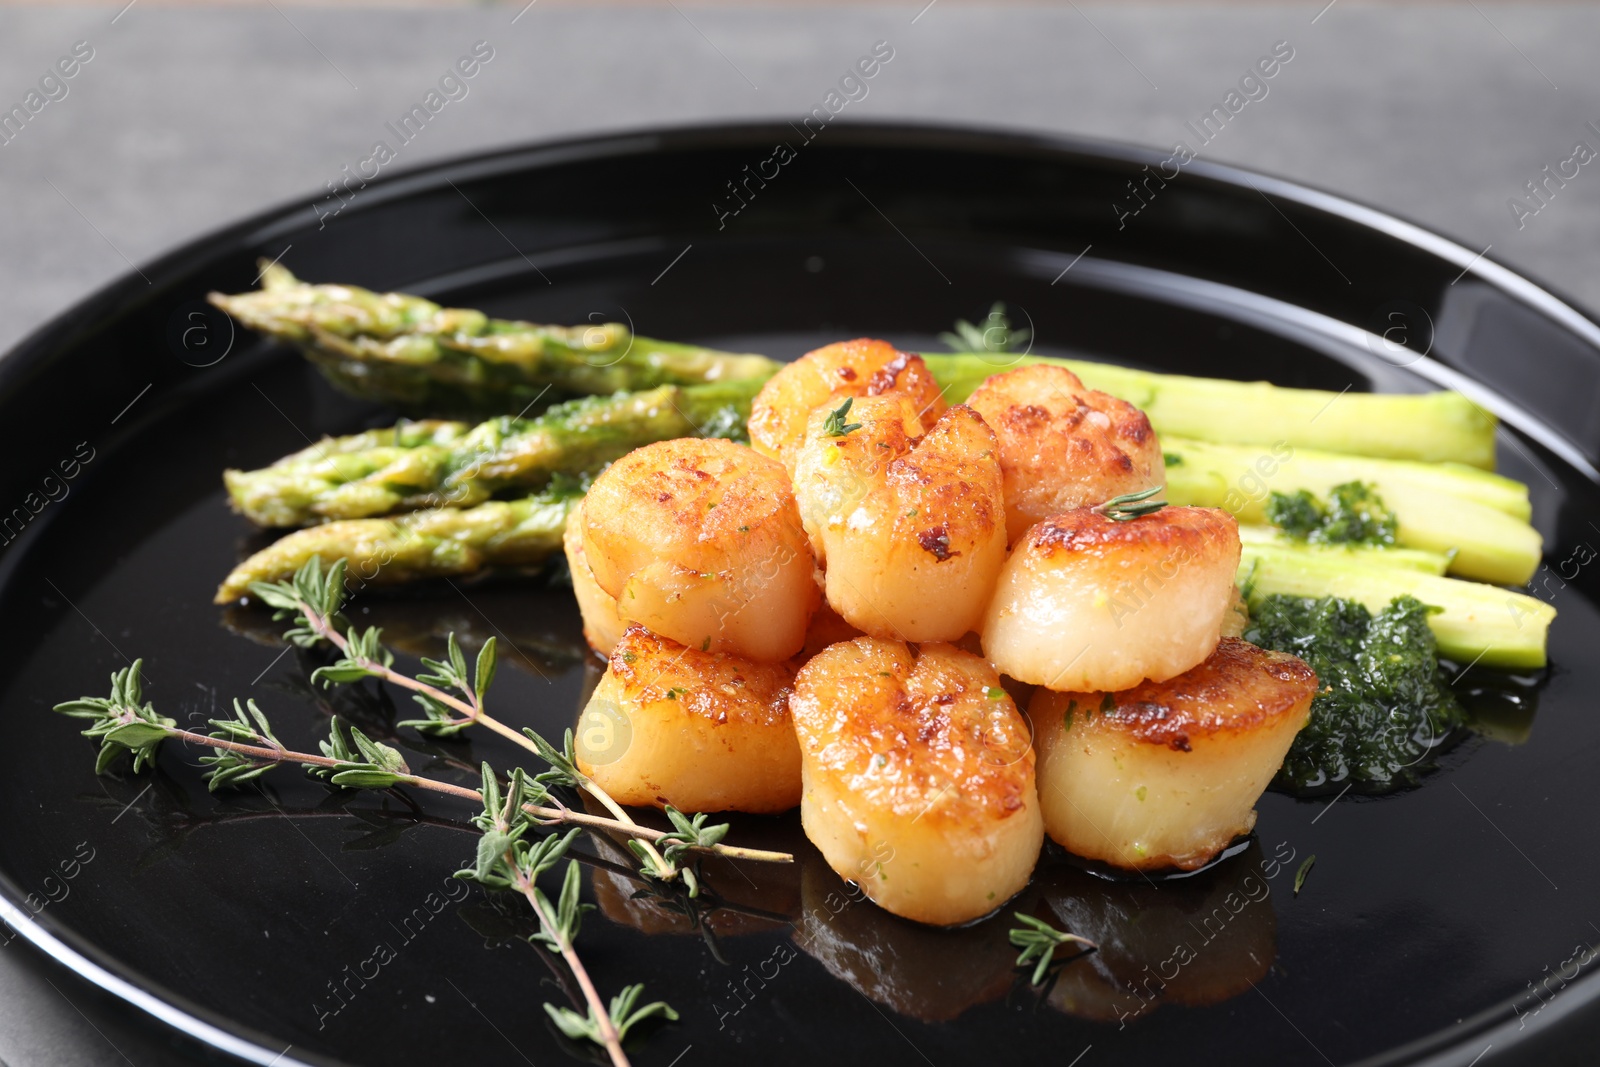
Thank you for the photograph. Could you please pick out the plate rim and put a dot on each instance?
(1525, 286)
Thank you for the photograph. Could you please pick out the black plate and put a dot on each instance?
(1425, 929)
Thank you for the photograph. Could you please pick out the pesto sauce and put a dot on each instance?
(1382, 707)
(1353, 514)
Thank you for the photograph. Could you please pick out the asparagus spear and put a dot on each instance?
(452, 464)
(1429, 427)
(1283, 467)
(442, 542)
(1440, 507)
(1410, 559)
(1477, 623)
(410, 352)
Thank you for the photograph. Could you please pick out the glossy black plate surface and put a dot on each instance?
(255, 919)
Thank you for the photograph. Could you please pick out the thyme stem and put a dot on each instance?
(608, 1029)
(472, 712)
(556, 815)
(511, 853)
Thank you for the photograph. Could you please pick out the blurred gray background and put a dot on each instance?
(189, 117)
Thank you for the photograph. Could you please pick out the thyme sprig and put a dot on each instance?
(508, 859)
(834, 425)
(1130, 506)
(348, 758)
(688, 833)
(249, 726)
(510, 855)
(451, 698)
(993, 334)
(122, 723)
(663, 864)
(1038, 941)
(623, 1015)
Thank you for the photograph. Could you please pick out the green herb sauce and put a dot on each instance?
(1383, 706)
(1353, 514)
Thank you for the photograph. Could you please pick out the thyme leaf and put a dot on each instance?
(1300, 875)
(993, 334)
(514, 849)
(834, 425)
(1038, 941)
(1130, 506)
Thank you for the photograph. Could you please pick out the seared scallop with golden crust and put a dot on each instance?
(1166, 774)
(827, 628)
(862, 367)
(699, 539)
(702, 731)
(918, 777)
(1064, 445)
(1087, 602)
(910, 530)
(602, 626)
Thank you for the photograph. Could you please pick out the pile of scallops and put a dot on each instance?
(849, 614)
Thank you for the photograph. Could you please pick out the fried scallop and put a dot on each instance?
(1064, 445)
(862, 367)
(910, 530)
(1166, 774)
(602, 626)
(702, 731)
(1236, 620)
(918, 777)
(1086, 602)
(700, 540)
(827, 628)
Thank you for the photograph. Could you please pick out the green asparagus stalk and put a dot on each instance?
(1477, 623)
(1377, 556)
(452, 464)
(1444, 508)
(414, 354)
(1427, 427)
(1279, 464)
(443, 542)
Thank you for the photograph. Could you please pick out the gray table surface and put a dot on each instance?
(186, 119)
